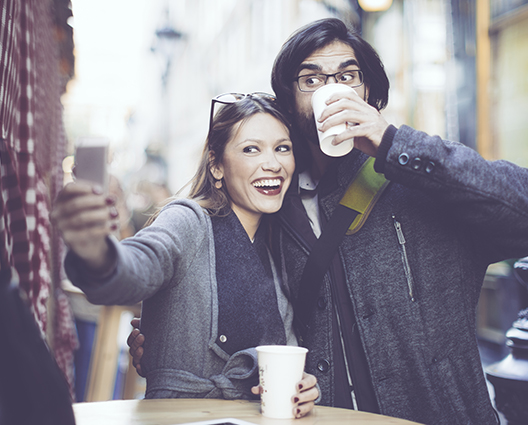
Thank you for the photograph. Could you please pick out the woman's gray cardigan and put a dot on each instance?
(171, 265)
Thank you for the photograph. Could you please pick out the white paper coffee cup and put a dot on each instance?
(280, 369)
(319, 99)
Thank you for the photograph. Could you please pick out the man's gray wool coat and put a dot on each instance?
(414, 273)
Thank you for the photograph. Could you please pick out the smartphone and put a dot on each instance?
(91, 160)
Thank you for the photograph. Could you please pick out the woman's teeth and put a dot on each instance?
(269, 183)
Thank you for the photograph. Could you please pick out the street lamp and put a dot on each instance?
(166, 39)
(166, 46)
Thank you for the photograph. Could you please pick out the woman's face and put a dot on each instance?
(257, 166)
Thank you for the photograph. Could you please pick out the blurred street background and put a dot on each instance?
(145, 72)
(141, 74)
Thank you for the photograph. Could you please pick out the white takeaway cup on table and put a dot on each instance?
(280, 370)
(319, 98)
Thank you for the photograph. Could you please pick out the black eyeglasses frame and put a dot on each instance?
(327, 76)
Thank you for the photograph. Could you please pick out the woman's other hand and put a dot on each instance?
(304, 399)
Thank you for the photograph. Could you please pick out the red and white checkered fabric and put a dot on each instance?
(32, 146)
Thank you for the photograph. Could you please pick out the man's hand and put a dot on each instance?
(304, 400)
(350, 108)
(135, 341)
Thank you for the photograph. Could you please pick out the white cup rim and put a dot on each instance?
(334, 88)
(282, 349)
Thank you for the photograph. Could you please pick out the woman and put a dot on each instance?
(209, 288)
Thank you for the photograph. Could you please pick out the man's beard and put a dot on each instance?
(306, 128)
(305, 136)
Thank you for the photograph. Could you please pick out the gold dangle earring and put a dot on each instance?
(217, 174)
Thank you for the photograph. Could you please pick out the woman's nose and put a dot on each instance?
(271, 163)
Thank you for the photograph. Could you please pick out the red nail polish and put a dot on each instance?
(110, 200)
(113, 226)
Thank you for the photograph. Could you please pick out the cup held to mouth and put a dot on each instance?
(326, 138)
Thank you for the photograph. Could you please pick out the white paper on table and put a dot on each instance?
(224, 421)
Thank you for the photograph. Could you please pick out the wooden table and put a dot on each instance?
(179, 411)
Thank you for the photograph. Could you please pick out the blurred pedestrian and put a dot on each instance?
(520, 269)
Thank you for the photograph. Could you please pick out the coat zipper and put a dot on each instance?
(405, 259)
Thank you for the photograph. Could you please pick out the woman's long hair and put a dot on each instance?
(223, 128)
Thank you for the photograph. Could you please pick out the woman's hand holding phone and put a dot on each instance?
(85, 216)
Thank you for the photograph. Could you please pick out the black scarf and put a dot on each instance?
(248, 314)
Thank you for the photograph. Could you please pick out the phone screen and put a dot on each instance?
(91, 157)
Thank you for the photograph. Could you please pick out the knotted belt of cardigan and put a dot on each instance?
(240, 366)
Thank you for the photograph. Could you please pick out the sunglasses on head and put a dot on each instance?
(228, 98)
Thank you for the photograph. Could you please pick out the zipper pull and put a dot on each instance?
(399, 233)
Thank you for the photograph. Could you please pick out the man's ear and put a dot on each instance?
(216, 169)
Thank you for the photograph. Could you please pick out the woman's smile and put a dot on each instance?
(270, 187)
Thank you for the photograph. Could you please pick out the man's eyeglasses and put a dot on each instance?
(311, 82)
(228, 98)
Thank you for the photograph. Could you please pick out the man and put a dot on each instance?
(393, 330)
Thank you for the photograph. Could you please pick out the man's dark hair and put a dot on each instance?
(315, 36)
